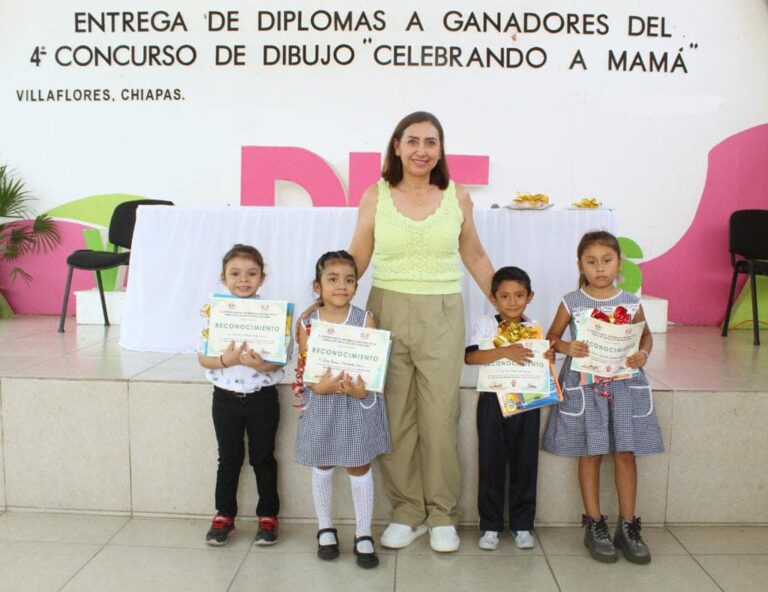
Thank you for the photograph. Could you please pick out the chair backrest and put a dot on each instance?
(748, 234)
(124, 219)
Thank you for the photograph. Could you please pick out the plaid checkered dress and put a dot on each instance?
(588, 423)
(339, 430)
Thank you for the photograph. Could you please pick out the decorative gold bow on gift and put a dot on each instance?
(509, 333)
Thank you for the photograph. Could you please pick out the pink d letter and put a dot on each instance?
(261, 166)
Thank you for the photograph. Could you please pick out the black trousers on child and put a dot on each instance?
(501, 440)
(257, 415)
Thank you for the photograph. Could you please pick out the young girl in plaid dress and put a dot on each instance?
(342, 424)
(606, 417)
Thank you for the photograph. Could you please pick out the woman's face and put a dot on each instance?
(419, 149)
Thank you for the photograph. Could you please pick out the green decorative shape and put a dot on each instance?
(741, 314)
(629, 248)
(632, 277)
(96, 209)
(93, 241)
(631, 274)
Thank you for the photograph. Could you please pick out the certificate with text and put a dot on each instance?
(609, 347)
(354, 350)
(505, 376)
(264, 325)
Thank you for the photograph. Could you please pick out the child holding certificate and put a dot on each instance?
(604, 416)
(244, 402)
(513, 440)
(342, 424)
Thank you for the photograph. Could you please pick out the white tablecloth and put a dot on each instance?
(177, 251)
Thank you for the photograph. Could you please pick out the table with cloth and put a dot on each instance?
(177, 251)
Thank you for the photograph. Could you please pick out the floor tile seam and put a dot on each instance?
(182, 547)
(59, 542)
(394, 573)
(82, 567)
(707, 554)
(552, 572)
(709, 575)
(129, 438)
(236, 573)
(675, 536)
(23, 376)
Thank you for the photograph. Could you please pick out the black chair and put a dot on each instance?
(747, 240)
(120, 235)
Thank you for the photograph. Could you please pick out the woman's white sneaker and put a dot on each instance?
(398, 536)
(444, 539)
(524, 539)
(489, 541)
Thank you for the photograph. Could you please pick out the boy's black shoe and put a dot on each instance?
(267, 533)
(221, 529)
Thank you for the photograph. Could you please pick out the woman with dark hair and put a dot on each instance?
(415, 225)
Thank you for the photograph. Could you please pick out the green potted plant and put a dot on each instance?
(21, 231)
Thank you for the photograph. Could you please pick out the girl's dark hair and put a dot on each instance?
(392, 171)
(333, 257)
(599, 237)
(510, 274)
(245, 251)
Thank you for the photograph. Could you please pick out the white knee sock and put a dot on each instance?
(322, 494)
(362, 497)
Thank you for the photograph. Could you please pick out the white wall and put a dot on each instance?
(636, 140)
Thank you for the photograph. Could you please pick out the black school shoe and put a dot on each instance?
(366, 560)
(328, 552)
(628, 539)
(597, 540)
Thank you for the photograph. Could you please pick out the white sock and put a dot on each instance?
(362, 497)
(322, 494)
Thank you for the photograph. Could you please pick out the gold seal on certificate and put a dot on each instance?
(505, 376)
(609, 347)
(264, 325)
(354, 350)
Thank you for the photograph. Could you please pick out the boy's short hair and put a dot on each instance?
(510, 274)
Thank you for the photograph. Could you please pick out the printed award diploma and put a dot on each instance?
(263, 324)
(609, 346)
(505, 376)
(354, 350)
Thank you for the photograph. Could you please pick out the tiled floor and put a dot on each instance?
(48, 551)
(40, 552)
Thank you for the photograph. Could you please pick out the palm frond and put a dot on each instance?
(18, 272)
(14, 199)
(27, 234)
(46, 234)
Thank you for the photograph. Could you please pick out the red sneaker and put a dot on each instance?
(267, 533)
(221, 529)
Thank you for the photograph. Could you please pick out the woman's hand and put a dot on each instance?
(576, 349)
(302, 317)
(517, 353)
(328, 383)
(353, 388)
(549, 355)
